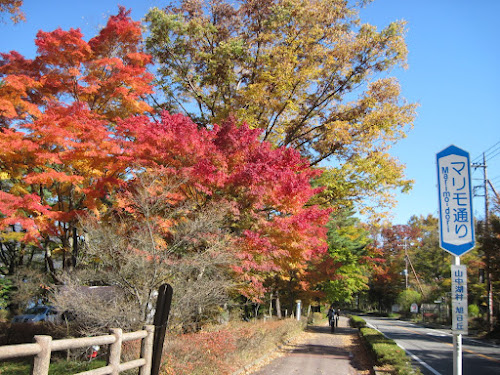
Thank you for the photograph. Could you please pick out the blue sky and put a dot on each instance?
(454, 75)
(454, 61)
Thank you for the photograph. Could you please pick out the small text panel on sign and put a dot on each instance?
(460, 313)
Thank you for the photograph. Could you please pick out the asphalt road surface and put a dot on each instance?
(432, 349)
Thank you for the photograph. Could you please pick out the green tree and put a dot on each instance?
(5, 287)
(388, 277)
(489, 251)
(431, 263)
(406, 298)
(307, 72)
(345, 266)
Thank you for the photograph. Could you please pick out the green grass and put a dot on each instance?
(56, 368)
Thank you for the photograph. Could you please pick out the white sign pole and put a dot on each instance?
(458, 321)
(457, 354)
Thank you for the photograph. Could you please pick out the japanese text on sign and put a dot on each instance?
(455, 201)
(459, 305)
(455, 197)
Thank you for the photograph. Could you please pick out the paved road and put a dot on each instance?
(432, 349)
(321, 353)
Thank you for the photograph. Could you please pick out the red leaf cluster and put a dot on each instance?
(108, 73)
(269, 187)
(73, 129)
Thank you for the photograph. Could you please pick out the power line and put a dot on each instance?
(487, 152)
(495, 180)
(492, 151)
(492, 156)
(496, 144)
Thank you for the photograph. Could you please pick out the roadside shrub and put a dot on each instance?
(5, 288)
(199, 349)
(4, 314)
(21, 333)
(387, 352)
(131, 350)
(223, 349)
(473, 311)
(316, 317)
(356, 322)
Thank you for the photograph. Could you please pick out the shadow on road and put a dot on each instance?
(327, 330)
(343, 344)
(321, 350)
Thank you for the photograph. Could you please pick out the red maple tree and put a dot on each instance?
(58, 111)
(268, 189)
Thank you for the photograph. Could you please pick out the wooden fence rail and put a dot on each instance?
(44, 346)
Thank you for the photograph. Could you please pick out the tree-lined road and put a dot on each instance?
(432, 350)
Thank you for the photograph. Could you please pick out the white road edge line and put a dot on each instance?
(419, 360)
(410, 353)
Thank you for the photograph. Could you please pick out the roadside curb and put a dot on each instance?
(376, 369)
(380, 371)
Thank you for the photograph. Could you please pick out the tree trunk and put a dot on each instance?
(256, 310)
(74, 255)
(278, 305)
(271, 304)
(49, 262)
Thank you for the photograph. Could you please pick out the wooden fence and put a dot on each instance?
(44, 346)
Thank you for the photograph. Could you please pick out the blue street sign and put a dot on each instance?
(456, 221)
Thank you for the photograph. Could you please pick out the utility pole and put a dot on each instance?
(489, 287)
(408, 260)
(405, 247)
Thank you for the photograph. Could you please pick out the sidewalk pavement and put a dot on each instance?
(318, 351)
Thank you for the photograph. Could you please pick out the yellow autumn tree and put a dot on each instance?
(308, 73)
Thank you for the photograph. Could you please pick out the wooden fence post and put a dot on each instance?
(41, 361)
(147, 350)
(115, 351)
(163, 303)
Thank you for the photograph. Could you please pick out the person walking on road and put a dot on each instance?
(331, 318)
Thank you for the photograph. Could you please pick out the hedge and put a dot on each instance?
(387, 353)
